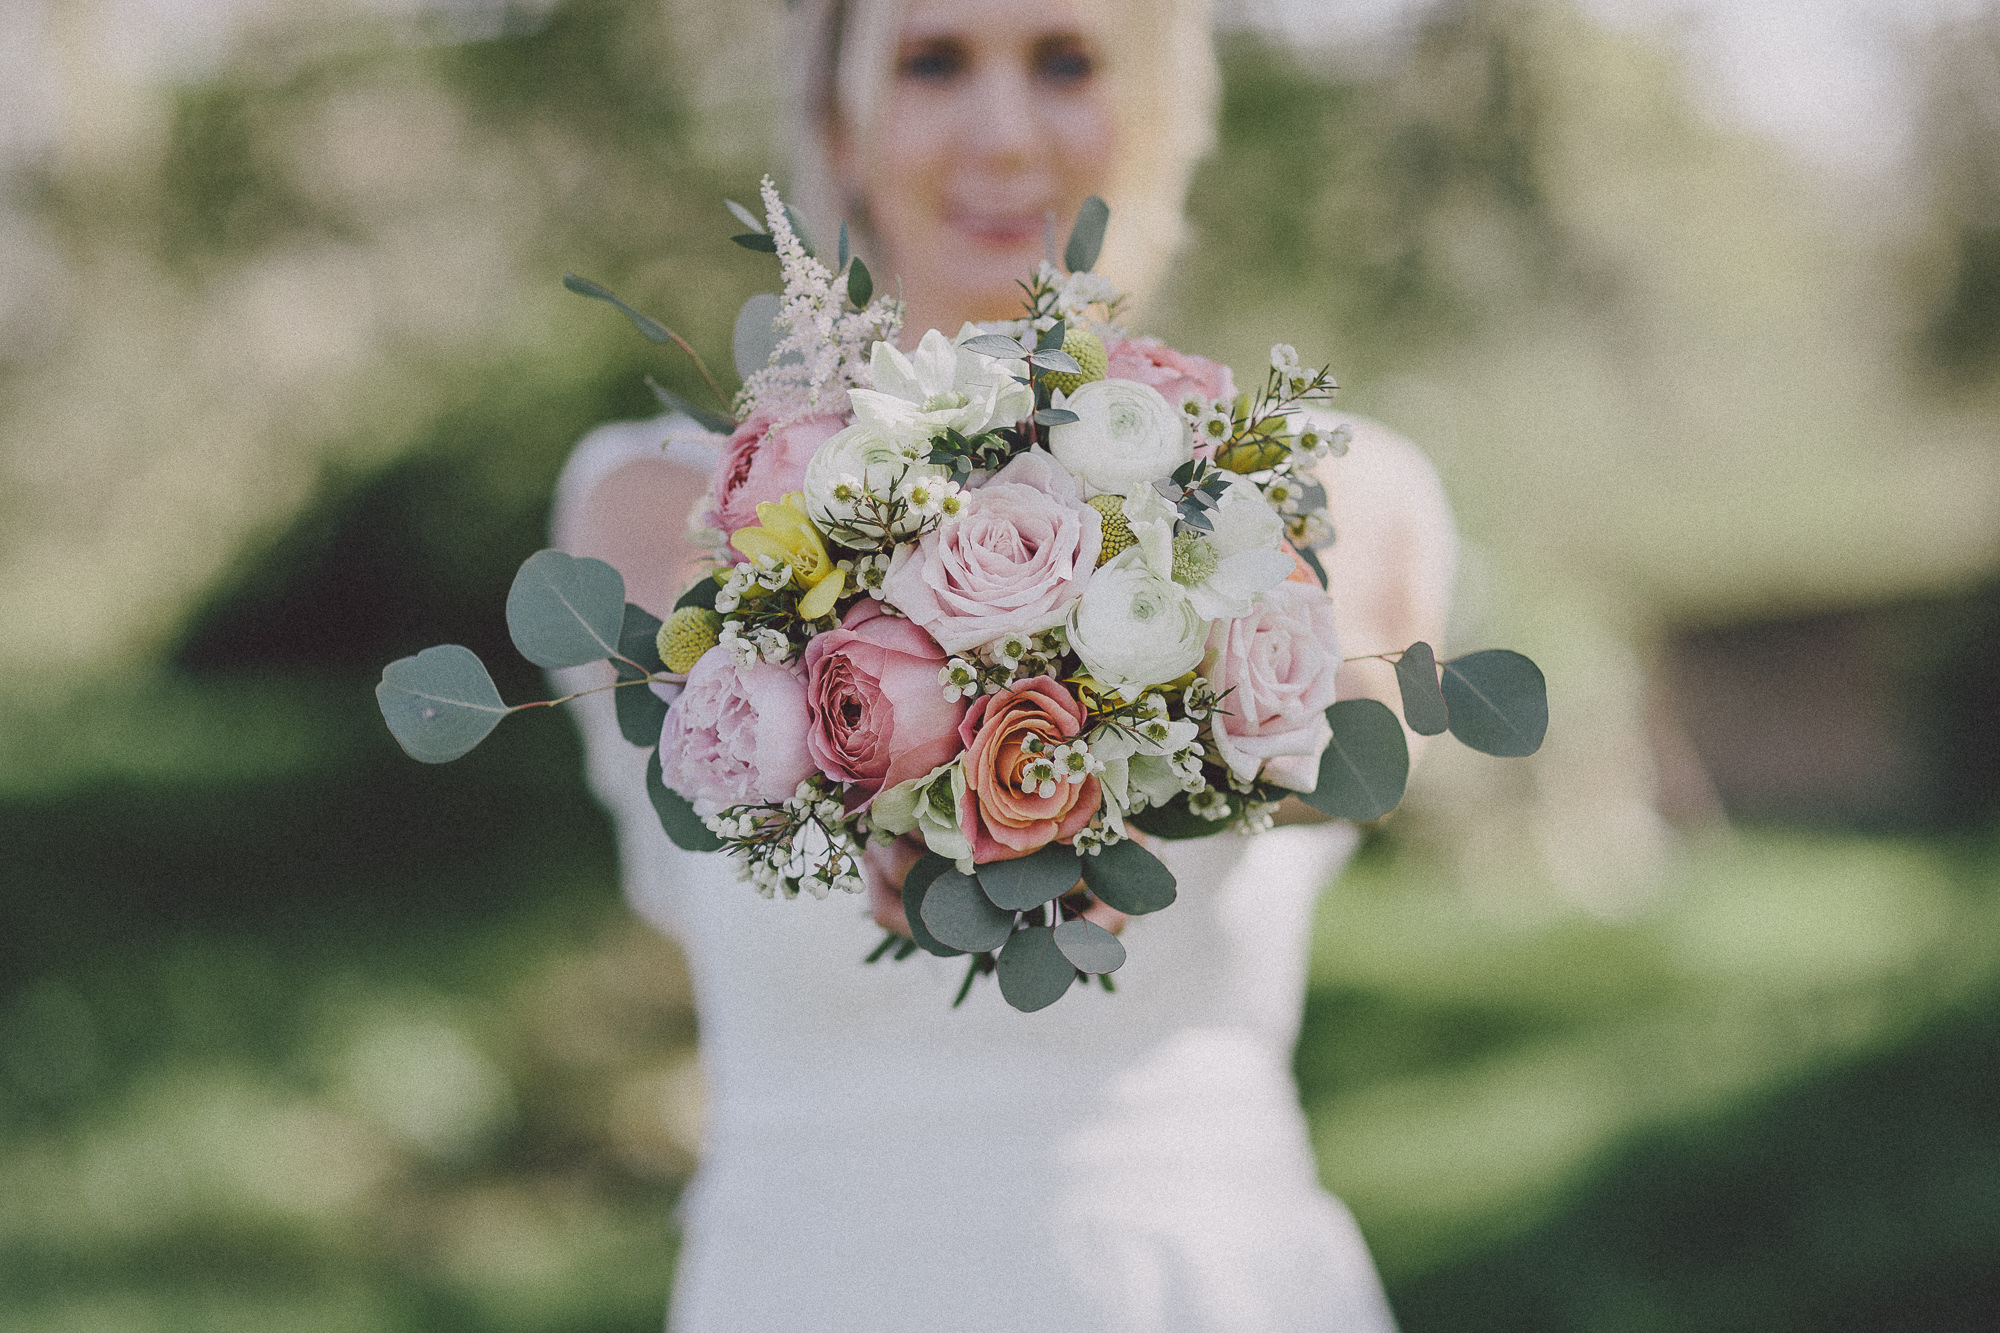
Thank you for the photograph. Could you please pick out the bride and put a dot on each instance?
(876, 1160)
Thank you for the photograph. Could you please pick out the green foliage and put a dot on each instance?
(1086, 237)
(1128, 877)
(1417, 680)
(959, 914)
(1026, 882)
(916, 884)
(677, 817)
(440, 703)
(1032, 971)
(1089, 947)
(712, 422)
(1172, 821)
(1366, 764)
(756, 334)
(1499, 702)
(860, 286)
(565, 610)
(641, 713)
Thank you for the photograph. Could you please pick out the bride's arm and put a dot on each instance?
(1390, 568)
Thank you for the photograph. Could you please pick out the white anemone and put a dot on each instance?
(941, 387)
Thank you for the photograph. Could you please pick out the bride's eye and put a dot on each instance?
(937, 60)
(1065, 60)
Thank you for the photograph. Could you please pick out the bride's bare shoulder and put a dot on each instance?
(625, 497)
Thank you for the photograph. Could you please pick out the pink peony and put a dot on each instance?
(1010, 564)
(1004, 817)
(1277, 666)
(1174, 374)
(876, 714)
(736, 735)
(760, 465)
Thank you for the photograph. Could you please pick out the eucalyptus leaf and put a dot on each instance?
(1056, 416)
(701, 593)
(1128, 877)
(1026, 882)
(646, 324)
(799, 230)
(1499, 702)
(1365, 766)
(1312, 493)
(959, 914)
(440, 703)
(1032, 971)
(1311, 557)
(565, 610)
(1172, 821)
(677, 817)
(1059, 361)
(1423, 702)
(916, 883)
(843, 247)
(755, 336)
(1052, 337)
(996, 344)
(641, 713)
(712, 422)
(743, 215)
(860, 286)
(1089, 947)
(761, 242)
(1086, 237)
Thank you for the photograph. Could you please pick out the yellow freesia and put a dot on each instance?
(786, 534)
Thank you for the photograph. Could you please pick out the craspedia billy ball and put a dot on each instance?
(687, 634)
(1117, 532)
(1088, 351)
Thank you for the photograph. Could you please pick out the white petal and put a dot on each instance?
(936, 365)
(1245, 521)
(894, 374)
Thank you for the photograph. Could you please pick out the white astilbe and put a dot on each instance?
(823, 347)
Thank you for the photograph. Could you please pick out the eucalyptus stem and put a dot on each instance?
(667, 678)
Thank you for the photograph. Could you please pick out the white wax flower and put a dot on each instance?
(942, 387)
(1222, 571)
(879, 461)
(1126, 436)
(1132, 628)
(930, 805)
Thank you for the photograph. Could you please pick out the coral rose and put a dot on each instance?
(875, 714)
(760, 465)
(1007, 817)
(1174, 374)
(1276, 667)
(736, 735)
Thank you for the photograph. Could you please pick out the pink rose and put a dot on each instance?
(876, 713)
(1006, 816)
(1277, 666)
(1010, 564)
(1174, 374)
(736, 735)
(760, 465)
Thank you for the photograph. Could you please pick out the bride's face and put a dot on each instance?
(998, 115)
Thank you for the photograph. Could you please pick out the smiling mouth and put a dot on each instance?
(997, 231)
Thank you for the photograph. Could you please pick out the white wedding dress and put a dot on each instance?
(877, 1161)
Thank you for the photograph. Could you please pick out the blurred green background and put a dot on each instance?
(1690, 1023)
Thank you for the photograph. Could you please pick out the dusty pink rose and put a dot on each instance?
(1175, 374)
(876, 715)
(1006, 816)
(1010, 564)
(736, 735)
(759, 465)
(1277, 665)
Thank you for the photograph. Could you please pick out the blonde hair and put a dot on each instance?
(1159, 61)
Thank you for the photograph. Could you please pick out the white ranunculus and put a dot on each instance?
(1133, 628)
(861, 456)
(941, 387)
(1126, 436)
(1225, 570)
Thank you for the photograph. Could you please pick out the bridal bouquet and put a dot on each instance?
(1014, 597)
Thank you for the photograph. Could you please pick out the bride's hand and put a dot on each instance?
(883, 865)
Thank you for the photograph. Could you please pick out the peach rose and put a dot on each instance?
(1008, 817)
(760, 465)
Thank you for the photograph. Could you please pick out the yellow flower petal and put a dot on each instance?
(825, 593)
(755, 542)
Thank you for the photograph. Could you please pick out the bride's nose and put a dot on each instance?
(1000, 125)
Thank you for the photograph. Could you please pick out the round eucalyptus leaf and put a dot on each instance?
(640, 712)
(1128, 877)
(1029, 881)
(1172, 821)
(1032, 971)
(959, 915)
(1090, 947)
(756, 334)
(916, 884)
(1086, 238)
(1499, 702)
(565, 610)
(440, 703)
(677, 817)
(1365, 765)
(1417, 679)
(700, 593)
